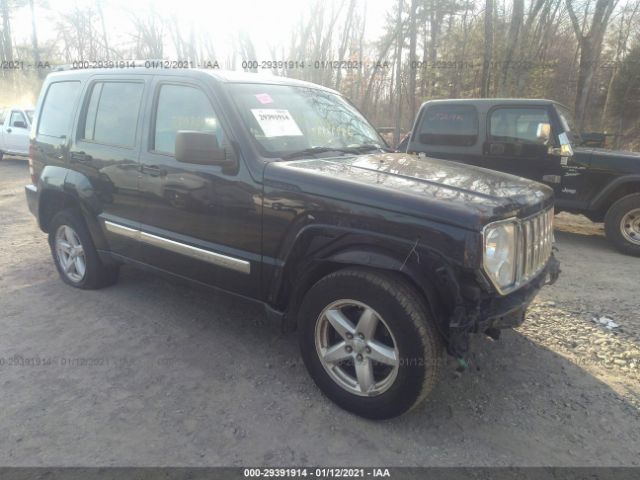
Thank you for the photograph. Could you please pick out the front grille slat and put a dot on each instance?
(537, 235)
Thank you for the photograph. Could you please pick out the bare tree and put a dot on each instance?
(513, 37)
(247, 50)
(590, 44)
(413, 40)
(6, 39)
(149, 36)
(399, 42)
(624, 30)
(346, 31)
(488, 48)
(105, 38)
(34, 35)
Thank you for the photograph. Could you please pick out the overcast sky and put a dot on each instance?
(268, 22)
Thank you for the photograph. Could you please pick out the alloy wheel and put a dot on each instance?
(70, 252)
(356, 348)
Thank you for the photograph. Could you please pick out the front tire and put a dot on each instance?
(369, 343)
(74, 254)
(622, 224)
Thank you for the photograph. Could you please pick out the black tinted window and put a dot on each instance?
(183, 108)
(57, 111)
(112, 113)
(517, 125)
(449, 125)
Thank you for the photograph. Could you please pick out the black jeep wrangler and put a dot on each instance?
(537, 139)
(282, 193)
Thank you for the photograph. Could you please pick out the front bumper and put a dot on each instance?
(509, 311)
(491, 314)
(31, 192)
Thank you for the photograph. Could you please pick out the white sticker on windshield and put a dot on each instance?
(276, 123)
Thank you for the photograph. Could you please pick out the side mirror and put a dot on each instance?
(543, 133)
(201, 148)
(19, 124)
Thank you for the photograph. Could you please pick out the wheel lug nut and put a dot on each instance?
(349, 336)
(359, 357)
(368, 349)
(361, 336)
(348, 349)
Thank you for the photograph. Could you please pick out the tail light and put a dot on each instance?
(32, 172)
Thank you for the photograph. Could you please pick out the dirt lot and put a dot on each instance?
(153, 372)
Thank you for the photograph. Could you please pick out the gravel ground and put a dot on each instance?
(155, 372)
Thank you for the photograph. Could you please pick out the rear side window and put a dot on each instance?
(57, 111)
(112, 113)
(182, 107)
(516, 125)
(455, 125)
(3, 115)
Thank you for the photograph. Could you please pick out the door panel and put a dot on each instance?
(106, 148)
(206, 218)
(512, 145)
(17, 137)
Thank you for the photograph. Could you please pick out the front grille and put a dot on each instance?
(536, 243)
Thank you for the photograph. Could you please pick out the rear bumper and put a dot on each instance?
(31, 192)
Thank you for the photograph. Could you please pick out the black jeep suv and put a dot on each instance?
(537, 139)
(281, 192)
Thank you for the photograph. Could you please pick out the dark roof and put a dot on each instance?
(223, 76)
(488, 102)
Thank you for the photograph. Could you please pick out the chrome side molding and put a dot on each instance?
(214, 258)
(122, 230)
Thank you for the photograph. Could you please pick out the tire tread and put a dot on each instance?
(612, 223)
(412, 302)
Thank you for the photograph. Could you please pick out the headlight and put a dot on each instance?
(500, 253)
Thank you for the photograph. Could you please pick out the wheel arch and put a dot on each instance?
(618, 188)
(60, 189)
(420, 267)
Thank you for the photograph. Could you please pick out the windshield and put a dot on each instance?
(568, 125)
(285, 119)
(30, 115)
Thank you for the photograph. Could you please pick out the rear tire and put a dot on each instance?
(622, 224)
(74, 254)
(361, 374)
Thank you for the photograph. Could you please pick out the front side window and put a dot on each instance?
(112, 113)
(283, 119)
(181, 107)
(454, 125)
(17, 117)
(517, 124)
(57, 112)
(568, 125)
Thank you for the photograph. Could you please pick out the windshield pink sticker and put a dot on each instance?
(264, 98)
(276, 122)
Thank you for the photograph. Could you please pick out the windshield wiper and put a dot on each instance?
(315, 150)
(372, 146)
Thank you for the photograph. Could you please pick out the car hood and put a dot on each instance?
(615, 153)
(438, 189)
(617, 161)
